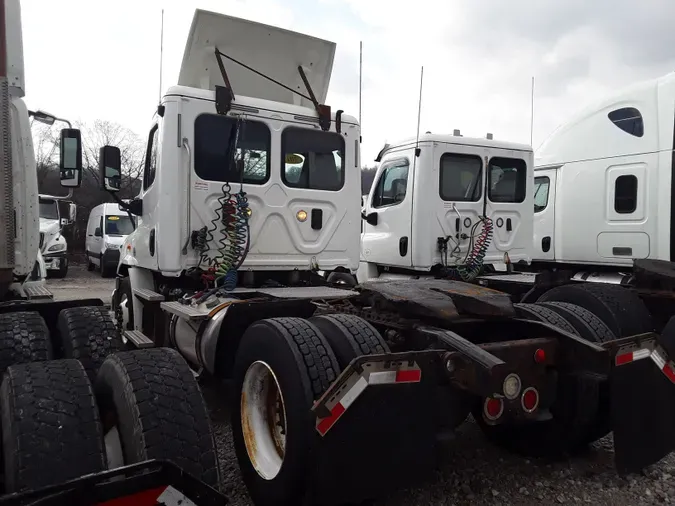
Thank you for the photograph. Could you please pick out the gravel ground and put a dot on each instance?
(472, 471)
(81, 284)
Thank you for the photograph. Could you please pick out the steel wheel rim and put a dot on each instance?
(263, 420)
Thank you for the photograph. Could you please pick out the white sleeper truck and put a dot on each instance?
(251, 189)
(76, 425)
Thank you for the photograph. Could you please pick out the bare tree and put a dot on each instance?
(132, 150)
(89, 195)
(46, 146)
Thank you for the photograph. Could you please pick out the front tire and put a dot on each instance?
(282, 366)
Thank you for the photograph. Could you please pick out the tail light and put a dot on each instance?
(530, 399)
(493, 408)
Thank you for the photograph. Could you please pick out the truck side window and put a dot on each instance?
(541, 187)
(151, 158)
(507, 180)
(629, 120)
(625, 194)
(312, 160)
(392, 185)
(214, 138)
(460, 177)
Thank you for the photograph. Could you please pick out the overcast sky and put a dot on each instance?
(97, 59)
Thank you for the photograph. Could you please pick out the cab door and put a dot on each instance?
(387, 227)
(544, 214)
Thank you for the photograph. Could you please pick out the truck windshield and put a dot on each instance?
(118, 225)
(49, 209)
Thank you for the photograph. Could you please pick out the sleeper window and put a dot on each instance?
(625, 194)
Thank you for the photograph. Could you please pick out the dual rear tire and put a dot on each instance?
(580, 413)
(96, 408)
(283, 365)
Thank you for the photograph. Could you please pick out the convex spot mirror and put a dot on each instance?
(70, 158)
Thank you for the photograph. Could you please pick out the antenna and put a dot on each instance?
(360, 79)
(419, 115)
(161, 56)
(532, 111)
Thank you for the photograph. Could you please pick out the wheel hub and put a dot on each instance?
(263, 420)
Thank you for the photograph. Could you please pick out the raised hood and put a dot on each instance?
(272, 51)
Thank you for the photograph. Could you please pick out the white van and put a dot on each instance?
(107, 228)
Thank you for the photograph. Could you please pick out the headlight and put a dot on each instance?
(57, 247)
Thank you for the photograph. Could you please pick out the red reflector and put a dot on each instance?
(330, 420)
(530, 399)
(539, 356)
(409, 376)
(493, 408)
(625, 358)
(144, 498)
(668, 371)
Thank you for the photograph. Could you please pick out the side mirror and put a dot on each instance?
(370, 218)
(97, 232)
(110, 168)
(70, 158)
(72, 212)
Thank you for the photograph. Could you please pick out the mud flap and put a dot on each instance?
(386, 435)
(642, 410)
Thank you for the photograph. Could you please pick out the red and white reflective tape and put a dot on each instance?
(632, 356)
(665, 366)
(347, 397)
(167, 496)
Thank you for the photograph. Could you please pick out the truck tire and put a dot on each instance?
(587, 325)
(89, 335)
(62, 271)
(621, 309)
(51, 430)
(349, 336)
(152, 401)
(124, 294)
(544, 314)
(24, 337)
(291, 364)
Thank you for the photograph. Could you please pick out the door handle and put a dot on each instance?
(403, 246)
(508, 225)
(317, 219)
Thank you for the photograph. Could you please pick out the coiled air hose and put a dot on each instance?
(230, 221)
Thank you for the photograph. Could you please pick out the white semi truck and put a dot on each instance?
(53, 244)
(251, 187)
(73, 405)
